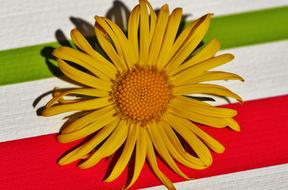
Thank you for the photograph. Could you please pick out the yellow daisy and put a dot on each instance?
(137, 96)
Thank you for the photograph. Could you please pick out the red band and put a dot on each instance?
(31, 163)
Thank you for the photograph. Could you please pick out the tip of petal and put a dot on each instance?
(108, 179)
(208, 162)
(60, 139)
(44, 113)
(233, 125)
(220, 149)
(58, 51)
(142, 1)
(61, 162)
(74, 31)
(240, 100)
(55, 52)
(207, 16)
(241, 79)
(229, 56)
(97, 18)
(187, 177)
(83, 166)
(238, 129)
(178, 11)
(165, 7)
(234, 128)
(216, 42)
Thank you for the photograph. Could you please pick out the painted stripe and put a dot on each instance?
(29, 63)
(35, 22)
(263, 66)
(31, 163)
(273, 177)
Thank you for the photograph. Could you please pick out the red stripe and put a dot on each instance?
(31, 163)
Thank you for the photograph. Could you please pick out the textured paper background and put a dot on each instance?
(32, 22)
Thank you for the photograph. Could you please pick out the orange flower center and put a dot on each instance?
(142, 94)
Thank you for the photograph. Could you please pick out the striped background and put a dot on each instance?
(256, 32)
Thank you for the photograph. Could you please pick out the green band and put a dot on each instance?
(30, 63)
(250, 28)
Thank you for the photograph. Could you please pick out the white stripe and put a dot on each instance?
(268, 178)
(32, 22)
(263, 66)
(18, 117)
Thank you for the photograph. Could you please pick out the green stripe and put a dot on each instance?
(28, 63)
(250, 28)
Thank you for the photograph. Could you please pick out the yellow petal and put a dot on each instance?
(184, 103)
(77, 91)
(82, 77)
(96, 125)
(86, 119)
(63, 101)
(198, 118)
(105, 71)
(194, 101)
(125, 154)
(233, 124)
(162, 149)
(177, 45)
(133, 26)
(126, 46)
(170, 35)
(84, 45)
(86, 148)
(153, 19)
(177, 155)
(178, 145)
(214, 75)
(110, 51)
(211, 89)
(209, 141)
(110, 146)
(198, 69)
(206, 53)
(91, 104)
(140, 156)
(153, 163)
(189, 46)
(200, 149)
(158, 35)
(108, 30)
(144, 33)
(57, 92)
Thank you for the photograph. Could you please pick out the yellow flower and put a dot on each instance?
(139, 93)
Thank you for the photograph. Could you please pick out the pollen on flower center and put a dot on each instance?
(141, 94)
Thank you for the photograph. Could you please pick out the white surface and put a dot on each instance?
(263, 66)
(18, 117)
(268, 178)
(30, 22)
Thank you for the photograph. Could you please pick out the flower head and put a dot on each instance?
(139, 93)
